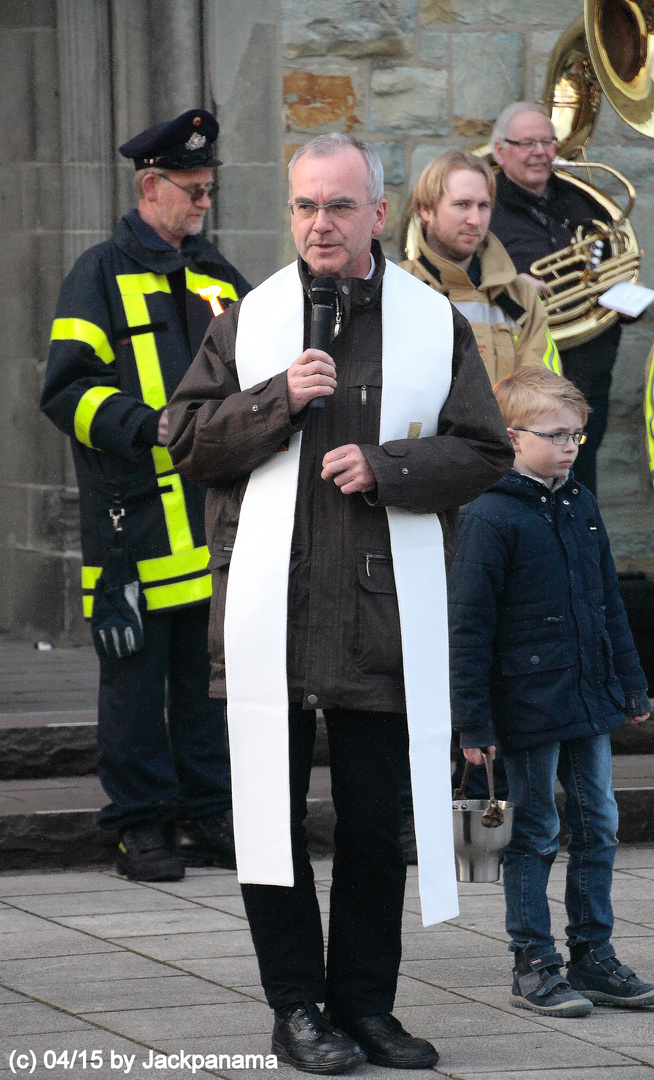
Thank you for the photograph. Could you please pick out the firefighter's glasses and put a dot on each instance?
(196, 193)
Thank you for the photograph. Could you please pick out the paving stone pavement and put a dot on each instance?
(129, 976)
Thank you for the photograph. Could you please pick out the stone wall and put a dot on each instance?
(416, 77)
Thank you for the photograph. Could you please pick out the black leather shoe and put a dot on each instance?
(207, 841)
(387, 1043)
(304, 1038)
(144, 854)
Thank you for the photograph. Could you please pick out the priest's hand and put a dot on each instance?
(474, 755)
(348, 467)
(312, 375)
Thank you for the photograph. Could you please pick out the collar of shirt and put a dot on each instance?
(554, 484)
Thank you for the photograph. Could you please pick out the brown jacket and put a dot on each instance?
(507, 318)
(344, 644)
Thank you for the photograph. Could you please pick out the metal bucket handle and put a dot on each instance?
(493, 815)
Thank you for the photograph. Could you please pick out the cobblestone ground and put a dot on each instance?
(152, 980)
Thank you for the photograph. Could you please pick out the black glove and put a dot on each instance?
(118, 606)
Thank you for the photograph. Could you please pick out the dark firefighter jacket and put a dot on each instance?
(128, 323)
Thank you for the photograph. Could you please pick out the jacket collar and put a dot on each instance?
(142, 243)
(516, 483)
(497, 270)
(354, 293)
(508, 192)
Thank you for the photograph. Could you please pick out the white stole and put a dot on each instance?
(416, 376)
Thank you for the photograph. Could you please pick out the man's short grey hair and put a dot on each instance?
(139, 176)
(327, 145)
(503, 122)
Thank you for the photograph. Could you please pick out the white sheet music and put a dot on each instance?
(627, 299)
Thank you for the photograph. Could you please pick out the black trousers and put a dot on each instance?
(162, 747)
(368, 754)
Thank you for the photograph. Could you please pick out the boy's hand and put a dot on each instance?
(635, 719)
(474, 755)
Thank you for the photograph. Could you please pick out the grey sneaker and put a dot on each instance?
(538, 985)
(601, 978)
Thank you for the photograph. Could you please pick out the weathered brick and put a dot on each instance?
(536, 12)
(392, 158)
(348, 27)
(316, 101)
(497, 63)
(409, 99)
(448, 11)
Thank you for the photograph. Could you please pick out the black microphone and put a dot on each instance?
(323, 297)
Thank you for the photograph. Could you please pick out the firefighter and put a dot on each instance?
(131, 315)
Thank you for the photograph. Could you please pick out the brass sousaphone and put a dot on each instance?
(610, 49)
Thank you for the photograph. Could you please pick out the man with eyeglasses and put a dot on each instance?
(131, 315)
(328, 531)
(535, 214)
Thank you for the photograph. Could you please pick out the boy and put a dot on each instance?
(544, 665)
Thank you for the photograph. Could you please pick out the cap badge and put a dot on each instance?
(196, 141)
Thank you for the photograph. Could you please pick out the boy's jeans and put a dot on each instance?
(584, 770)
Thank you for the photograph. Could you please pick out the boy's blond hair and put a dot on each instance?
(431, 185)
(531, 391)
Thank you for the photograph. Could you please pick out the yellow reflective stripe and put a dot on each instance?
(167, 594)
(88, 332)
(160, 569)
(178, 594)
(172, 566)
(87, 407)
(90, 575)
(133, 290)
(552, 359)
(159, 597)
(174, 504)
(649, 411)
(162, 459)
(141, 284)
(203, 281)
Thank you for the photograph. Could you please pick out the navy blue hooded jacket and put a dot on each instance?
(541, 649)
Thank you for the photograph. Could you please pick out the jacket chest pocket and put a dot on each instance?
(378, 649)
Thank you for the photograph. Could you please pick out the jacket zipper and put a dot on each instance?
(375, 558)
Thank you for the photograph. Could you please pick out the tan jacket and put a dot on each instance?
(507, 318)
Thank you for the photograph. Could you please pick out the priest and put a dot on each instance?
(335, 476)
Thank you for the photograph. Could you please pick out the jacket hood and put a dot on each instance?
(497, 270)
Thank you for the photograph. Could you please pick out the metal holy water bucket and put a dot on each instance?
(481, 832)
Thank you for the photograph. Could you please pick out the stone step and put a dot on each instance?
(43, 744)
(37, 745)
(52, 823)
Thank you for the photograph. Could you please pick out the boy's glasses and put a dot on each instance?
(558, 438)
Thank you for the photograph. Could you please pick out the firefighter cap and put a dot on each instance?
(183, 143)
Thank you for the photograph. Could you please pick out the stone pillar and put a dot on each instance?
(175, 57)
(244, 66)
(83, 41)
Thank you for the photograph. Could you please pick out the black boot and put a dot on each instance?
(304, 1038)
(145, 854)
(386, 1043)
(207, 841)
